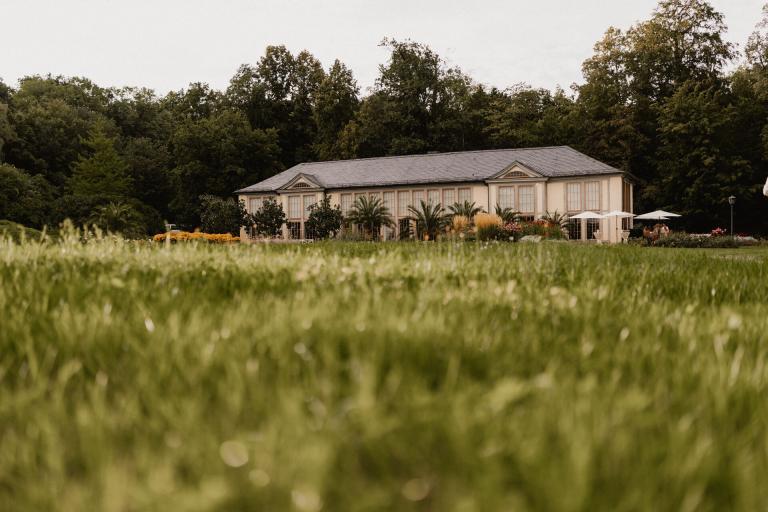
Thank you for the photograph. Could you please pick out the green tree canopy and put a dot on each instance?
(25, 199)
(101, 171)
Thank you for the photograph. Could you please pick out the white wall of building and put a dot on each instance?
(596, 193)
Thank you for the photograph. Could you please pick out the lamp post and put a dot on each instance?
(732, 201)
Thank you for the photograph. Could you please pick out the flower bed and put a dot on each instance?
(186, 236)
(685, 240)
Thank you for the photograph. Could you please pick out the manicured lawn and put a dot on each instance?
(382, 377)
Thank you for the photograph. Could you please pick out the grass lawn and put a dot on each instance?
(372, 377)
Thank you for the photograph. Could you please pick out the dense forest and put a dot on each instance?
(668, 99)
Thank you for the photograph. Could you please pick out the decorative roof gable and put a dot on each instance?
(516, 171)
(302, 181)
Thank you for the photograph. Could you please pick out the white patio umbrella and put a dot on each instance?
(657, 215)
(587, 215)
(618, 214)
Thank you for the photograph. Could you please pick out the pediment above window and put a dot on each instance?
(517, 171)
(516, 174)
(302, 182)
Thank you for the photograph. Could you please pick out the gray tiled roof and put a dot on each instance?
(465, 166)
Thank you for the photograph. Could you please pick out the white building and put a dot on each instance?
(532, 181)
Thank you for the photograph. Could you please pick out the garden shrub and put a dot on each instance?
(324, 220)
(347, 234)
(17, 231)
(684, 240)
(543, 229)
(489, 227)
(492, 232)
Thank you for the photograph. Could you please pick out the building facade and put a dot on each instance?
(532, 181)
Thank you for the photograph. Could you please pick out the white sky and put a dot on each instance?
(165, 44)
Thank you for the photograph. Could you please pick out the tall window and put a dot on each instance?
(573, 197)
(593, 225)
(403, 200)
(255, 204)
(389, 202)
(346, 203)
(592, 193)
(465, 194)
(375, 195)
(626, 203)
(433, 197)
(527, 202)
(418, 197)
(404, 229)
(294, 207)
(449, 197)
(506, 197)
(308, 201)
(294, 230)
(574, 229)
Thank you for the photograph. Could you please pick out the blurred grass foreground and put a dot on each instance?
(365, 377)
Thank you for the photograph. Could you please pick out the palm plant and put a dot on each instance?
(556, 219)
(429, 218)
(508, 215)
(371, 214)
(466, 209)
(117, 217)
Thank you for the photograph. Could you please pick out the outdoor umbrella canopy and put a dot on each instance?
(619, 214)
(657, 215)
(587, 215)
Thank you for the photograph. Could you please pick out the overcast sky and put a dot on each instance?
(165, 44)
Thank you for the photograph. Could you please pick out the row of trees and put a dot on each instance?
(661, 99)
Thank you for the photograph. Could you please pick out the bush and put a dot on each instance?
(543, 229)
(269, 219)
(17, 232)
(118, 217)
(324, 220)
(514, 230)
(684, 240)
(347, 234)
(219, 215)
(84, 210)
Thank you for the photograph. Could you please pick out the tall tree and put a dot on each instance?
(51, 116)
(196, 102)
(279, 93)
(218, 155)
(336, 101)
(697, 170)
(101, 171)
(149, 166)
(418, 104)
